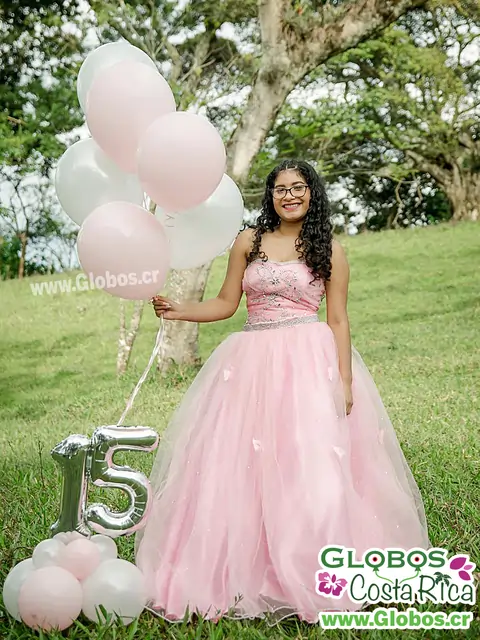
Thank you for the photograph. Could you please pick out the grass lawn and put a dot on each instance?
(415, 317)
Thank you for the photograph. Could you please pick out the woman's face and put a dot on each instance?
(291, 206)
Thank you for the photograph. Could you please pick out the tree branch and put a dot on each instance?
(345, 26)
(271, 14)
(442, 176)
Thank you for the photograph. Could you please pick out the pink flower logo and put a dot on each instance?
(457, 563)
(330, 584)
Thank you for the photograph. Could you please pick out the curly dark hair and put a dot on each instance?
(314, 243)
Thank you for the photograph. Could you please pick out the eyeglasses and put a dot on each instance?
(298, 191)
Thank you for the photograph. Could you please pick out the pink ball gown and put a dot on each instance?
(260, 467)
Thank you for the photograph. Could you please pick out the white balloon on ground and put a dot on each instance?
(61, 537)
(107, 547)
(117, 585)
(74, 535)
(198, 235)
(13, 584)
(103, 57)
(46, 553)
(86, 178)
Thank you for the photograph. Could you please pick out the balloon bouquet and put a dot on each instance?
(140, 145)
(70, 574)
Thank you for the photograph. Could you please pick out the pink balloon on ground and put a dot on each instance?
(124, 250)
(122, 103)
(80, 558)
(181, 160)
(50, 598)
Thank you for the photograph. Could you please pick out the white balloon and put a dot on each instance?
(103, 57)
(61, 537)
(46, 553)
(13, 584)
(74, 535)
(198, 235)
(86, 179)
(65, 537)
(108, 548)
(117, 585)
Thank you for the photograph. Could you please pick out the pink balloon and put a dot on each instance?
(181, 160)
(122, 103)
(124, 250)
(80, 558)
(50, 598)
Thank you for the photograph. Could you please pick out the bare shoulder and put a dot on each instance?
(339, 257)
(337, 248)
(245, 240)
(340, 267)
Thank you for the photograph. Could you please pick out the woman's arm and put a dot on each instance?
(337, 318)
(228, 299)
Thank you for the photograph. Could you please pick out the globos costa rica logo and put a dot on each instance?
(395, 575)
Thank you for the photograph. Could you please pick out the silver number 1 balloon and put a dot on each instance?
(104, 473)
(72, 455)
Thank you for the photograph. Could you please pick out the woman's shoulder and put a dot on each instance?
(337, 248)
(245, 239)
(247, 234)
(339, 256)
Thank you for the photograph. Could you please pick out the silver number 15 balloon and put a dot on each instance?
(81, 459)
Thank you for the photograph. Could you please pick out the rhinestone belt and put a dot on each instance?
(278, 324)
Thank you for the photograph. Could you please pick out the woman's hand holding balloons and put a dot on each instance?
(166, 308)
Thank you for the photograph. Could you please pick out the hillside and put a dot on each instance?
(415, 315)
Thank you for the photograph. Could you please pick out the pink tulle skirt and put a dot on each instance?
(260, 468)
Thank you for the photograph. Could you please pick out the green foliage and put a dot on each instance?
(198, 63)
(400, 116)
(385, 203)
(10, 257)
(38, 98)
(41, 53)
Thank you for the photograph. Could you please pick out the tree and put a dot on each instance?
(41, 51)
(29, 220)
(333, 136)
(289, 40)
(402, 113)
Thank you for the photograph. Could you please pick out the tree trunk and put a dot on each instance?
(180, 339)
(461, 187)
(127, 338)
(270, 91)
(23, 243)
(464, 195)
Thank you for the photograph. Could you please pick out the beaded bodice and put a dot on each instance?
(279, 291)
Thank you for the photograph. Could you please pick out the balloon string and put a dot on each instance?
(156, 349)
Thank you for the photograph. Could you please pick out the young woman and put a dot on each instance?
(282, 444)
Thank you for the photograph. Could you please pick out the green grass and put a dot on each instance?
(414, 311)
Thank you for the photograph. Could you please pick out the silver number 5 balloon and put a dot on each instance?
(104, 473)
(81, 458)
